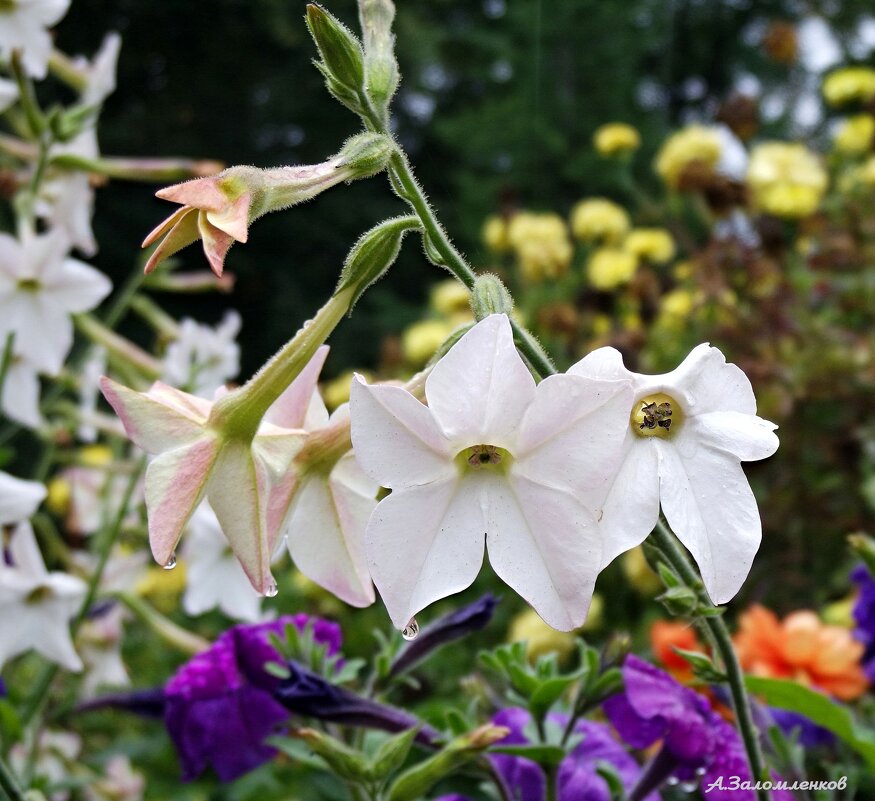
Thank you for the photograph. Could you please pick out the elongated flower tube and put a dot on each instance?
(492, 458)
(218, 210)
(687, 433)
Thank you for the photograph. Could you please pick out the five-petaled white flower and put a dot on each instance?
(40, 287)
(203, 357)
(687, 433)
(492, 457)
(23, 26)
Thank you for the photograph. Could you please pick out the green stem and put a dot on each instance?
(118, 345)
(8, 783)
(666, 542)
(165, 628)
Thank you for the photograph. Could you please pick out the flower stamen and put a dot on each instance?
(656, 415)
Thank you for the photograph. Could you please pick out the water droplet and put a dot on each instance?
(410, 631)
(689, 787)
(171, 562)
(672, 781)
(271, 591)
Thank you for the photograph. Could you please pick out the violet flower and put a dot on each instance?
(219, 707)
(697, 744)
(864, 616)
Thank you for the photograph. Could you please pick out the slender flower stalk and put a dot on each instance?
(8, 783)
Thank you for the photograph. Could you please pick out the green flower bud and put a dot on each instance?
(373, 254)
(342, 57)
(343, 760)
(680, 601)
(490, 296)
(366, 154)
(391, 754)
(381, 68)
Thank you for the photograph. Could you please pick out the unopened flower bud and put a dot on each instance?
(373, 254)
(490, 296)
(343, 760)
(342, 57)
(366, 154)
(680, 601)
(381, 68)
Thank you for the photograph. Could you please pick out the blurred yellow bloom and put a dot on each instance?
(609, 268)
(542, 639)
(848, 85)
(336, 391)
(677, 303)
(855, 135)
(840, 613)
(602, 324)
(58, 497)
(787, 179)
(863, 175)
(598, 219)
(95, 455)
(638, 572)
(450, 296)
(631, 321)
(651, 244)
(693, 144)
(421, 340)
(494, 234)
(683, 270)
(541, 244)
(616, 138)
(162, 587)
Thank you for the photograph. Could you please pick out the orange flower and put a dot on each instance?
(667, 635)
(801, 648)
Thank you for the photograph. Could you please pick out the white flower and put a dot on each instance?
(96, 494)
(687, 433)
(492, 457)
(8, 93)
(213, 576)
(19, 396)
(202, 358)
(35, 605)
(99, 642)
(19, 499)
(23, 26)
(120, 783)
(89, 391)
(56, 756)
(40, 287)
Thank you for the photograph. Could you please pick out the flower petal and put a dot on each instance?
(77, 287)
(745, 436)
(338, 509)
(183, 233)
(480, 390)
(289, 410)
(20, 394)
(25, 553)
(709, 504)
(395, 437)
(602, 363)
(175, 484)
(19, 499)
(201, 193)
(216, 243)
(425, 543)
(546, 545)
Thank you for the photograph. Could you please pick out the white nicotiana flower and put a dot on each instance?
(492, 458)
(687, 433)
(213, 576)
(40, 287)
(23, 26)
(99, 642)
(202, 358)
(53, 759)
(19, 499)
(89, 391)
(8, 93)
(36, 605)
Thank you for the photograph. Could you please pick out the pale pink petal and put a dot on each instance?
(395, 437)
(425, 543)
(153, 425)
(338, 509)
(175, 484)
(198, 409)
(745, 436)
(289, 410)
(201, 193)
(234, 218)
(709, 504)
(546, 545)
(165, 225)
(602, 363)
(216, 243)
(181, 235)
(479, 391)
(630, 506)
(571, 434)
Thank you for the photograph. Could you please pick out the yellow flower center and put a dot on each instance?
(656, 415)
(484, 457)
(27, 284)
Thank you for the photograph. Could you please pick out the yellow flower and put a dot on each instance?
(450, 296)
(616, 138)
(58, 497)
(849, 84)
(541, 244)
(421, 340)
(855, 135)
(651, 244)
(162, 587)
(494, 234)
(639, 573)
(336, 392)
(787, 179)
(542, 639)
(597, 220)
(693, 144)
(608, 268)
(675, 309)
(95, 455)
(602, 325)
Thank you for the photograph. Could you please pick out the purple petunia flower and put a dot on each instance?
(219, 705)
(577, 778)
(697, 743)
(864, 617)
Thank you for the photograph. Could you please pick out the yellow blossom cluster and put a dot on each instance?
(786, 179)
(450, 307)
(540, 242)
(695, 144)
(598, 220)
(855, 135)
(616, 139)
(849, 85)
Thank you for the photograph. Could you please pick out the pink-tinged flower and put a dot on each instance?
(687, 433)
(218, 210)
(195, 460)
(492, 458)
(36, 605)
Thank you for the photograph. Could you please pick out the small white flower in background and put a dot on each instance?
(687, 433)
(40, 287)
(202, 358)
(492, 457)
(19, 499)
(120, 782)
(8, 93)
(20, 393)
(66, 197)
(213, 576)
(35, 605)
(56, 754)
(23, 25)
(99, 641)
(89, 391)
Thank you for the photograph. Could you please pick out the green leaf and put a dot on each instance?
(702, 665)
(391, 754)
(548, 756)
(548, 693)
(819, 709)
